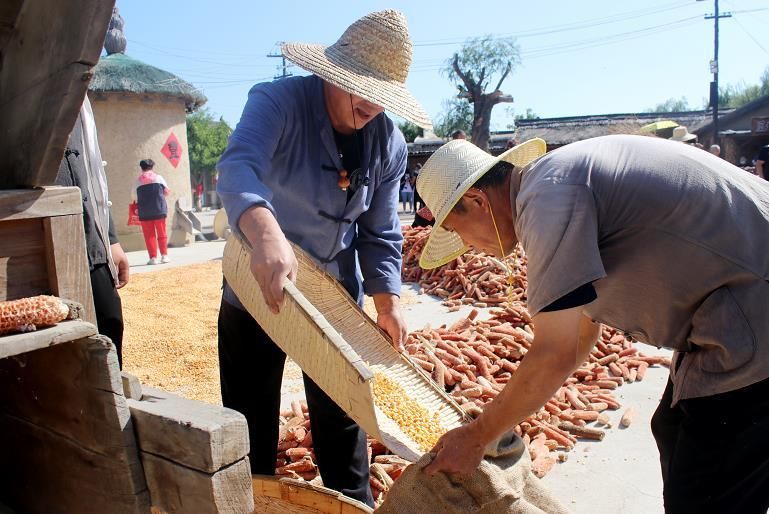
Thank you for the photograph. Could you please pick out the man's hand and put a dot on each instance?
(272, 258)
(390, 319)
(458, 452)
(121, 263)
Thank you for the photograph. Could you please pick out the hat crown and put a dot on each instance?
(680, 131)
(446, 171)
(377, 44)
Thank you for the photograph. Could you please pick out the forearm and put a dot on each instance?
(386, 303)
(760, 169)
(531, 386)
(258, 224)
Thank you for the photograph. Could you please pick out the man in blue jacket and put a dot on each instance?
(315, 161)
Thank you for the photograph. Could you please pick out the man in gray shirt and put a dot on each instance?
(659, 239)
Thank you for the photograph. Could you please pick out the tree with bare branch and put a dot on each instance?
(479, 63)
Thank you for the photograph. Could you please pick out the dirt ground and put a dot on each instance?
(170, 331)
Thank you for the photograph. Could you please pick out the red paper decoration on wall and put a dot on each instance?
(172, 150)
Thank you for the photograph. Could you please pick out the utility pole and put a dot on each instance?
(284, 66)
(714, 68)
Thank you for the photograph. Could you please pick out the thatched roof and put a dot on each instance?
(726, 118)
(121, 73)
(562, 131)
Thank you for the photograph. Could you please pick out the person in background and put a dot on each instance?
(407, 194)
(682, 135)
(151, 193)
(458, 134)
(715, 150)
(315, 161)
(82, 167)
(418, 202)
(199, 196)
(761, 162)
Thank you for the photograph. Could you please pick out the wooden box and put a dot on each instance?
(42, 246)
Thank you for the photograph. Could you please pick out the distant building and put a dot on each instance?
(558, 132)
(140, 113)
(742, 131)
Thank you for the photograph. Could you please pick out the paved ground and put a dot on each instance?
(618, 474)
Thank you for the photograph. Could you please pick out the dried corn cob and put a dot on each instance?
(26, 314)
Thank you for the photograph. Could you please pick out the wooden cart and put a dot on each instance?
(74, 439)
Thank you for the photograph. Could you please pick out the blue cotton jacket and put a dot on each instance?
(282, 156)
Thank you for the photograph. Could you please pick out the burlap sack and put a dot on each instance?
(502, 484)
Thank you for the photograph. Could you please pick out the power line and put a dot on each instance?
(747, 32)
(630, 15)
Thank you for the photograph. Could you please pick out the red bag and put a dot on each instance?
(133, 214)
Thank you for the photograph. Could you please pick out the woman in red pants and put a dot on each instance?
(151, 192)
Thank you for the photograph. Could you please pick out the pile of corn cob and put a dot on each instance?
(296, 458)
(475, 278)
(473, 360)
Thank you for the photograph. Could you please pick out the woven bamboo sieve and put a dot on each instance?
(330, 337)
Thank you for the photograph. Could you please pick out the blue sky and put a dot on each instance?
(588, 57)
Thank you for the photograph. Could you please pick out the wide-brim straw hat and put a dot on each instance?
(682, 134)
(370, 60)
(447, 175)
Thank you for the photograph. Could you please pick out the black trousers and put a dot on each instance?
(251, 372)
(714, 451)
(109, 308)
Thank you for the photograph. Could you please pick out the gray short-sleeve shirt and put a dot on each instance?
(674, 240)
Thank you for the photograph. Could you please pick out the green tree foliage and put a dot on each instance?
(457, 114)
(672, 105)
(741, 94)
(530, 115)
(207, 139)
(410, 131)
(479, 69)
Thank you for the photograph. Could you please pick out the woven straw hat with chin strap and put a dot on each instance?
(446, 176)
(370, 60)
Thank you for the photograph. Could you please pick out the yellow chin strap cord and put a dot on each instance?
(509, 272)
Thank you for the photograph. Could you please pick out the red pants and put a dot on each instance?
(154, 234)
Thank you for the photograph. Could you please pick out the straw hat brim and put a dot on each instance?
(688, 137)
(351, 77)
(444, 246)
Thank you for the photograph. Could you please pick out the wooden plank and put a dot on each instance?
(74, 390)
(64, 332)
(132, 387)
(23, 269)
(18, 204)
(47, 61)
(197, 435)
(44, 472)
(177, 489)
(273, 495)
(68, 273)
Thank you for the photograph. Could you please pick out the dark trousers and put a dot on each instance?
(714, 451)
(109, 308)
(251, 372)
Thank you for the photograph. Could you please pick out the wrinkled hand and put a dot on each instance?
(395, 326)
(458, 452)
(121, 263)
(272, 258)
(390, 319)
